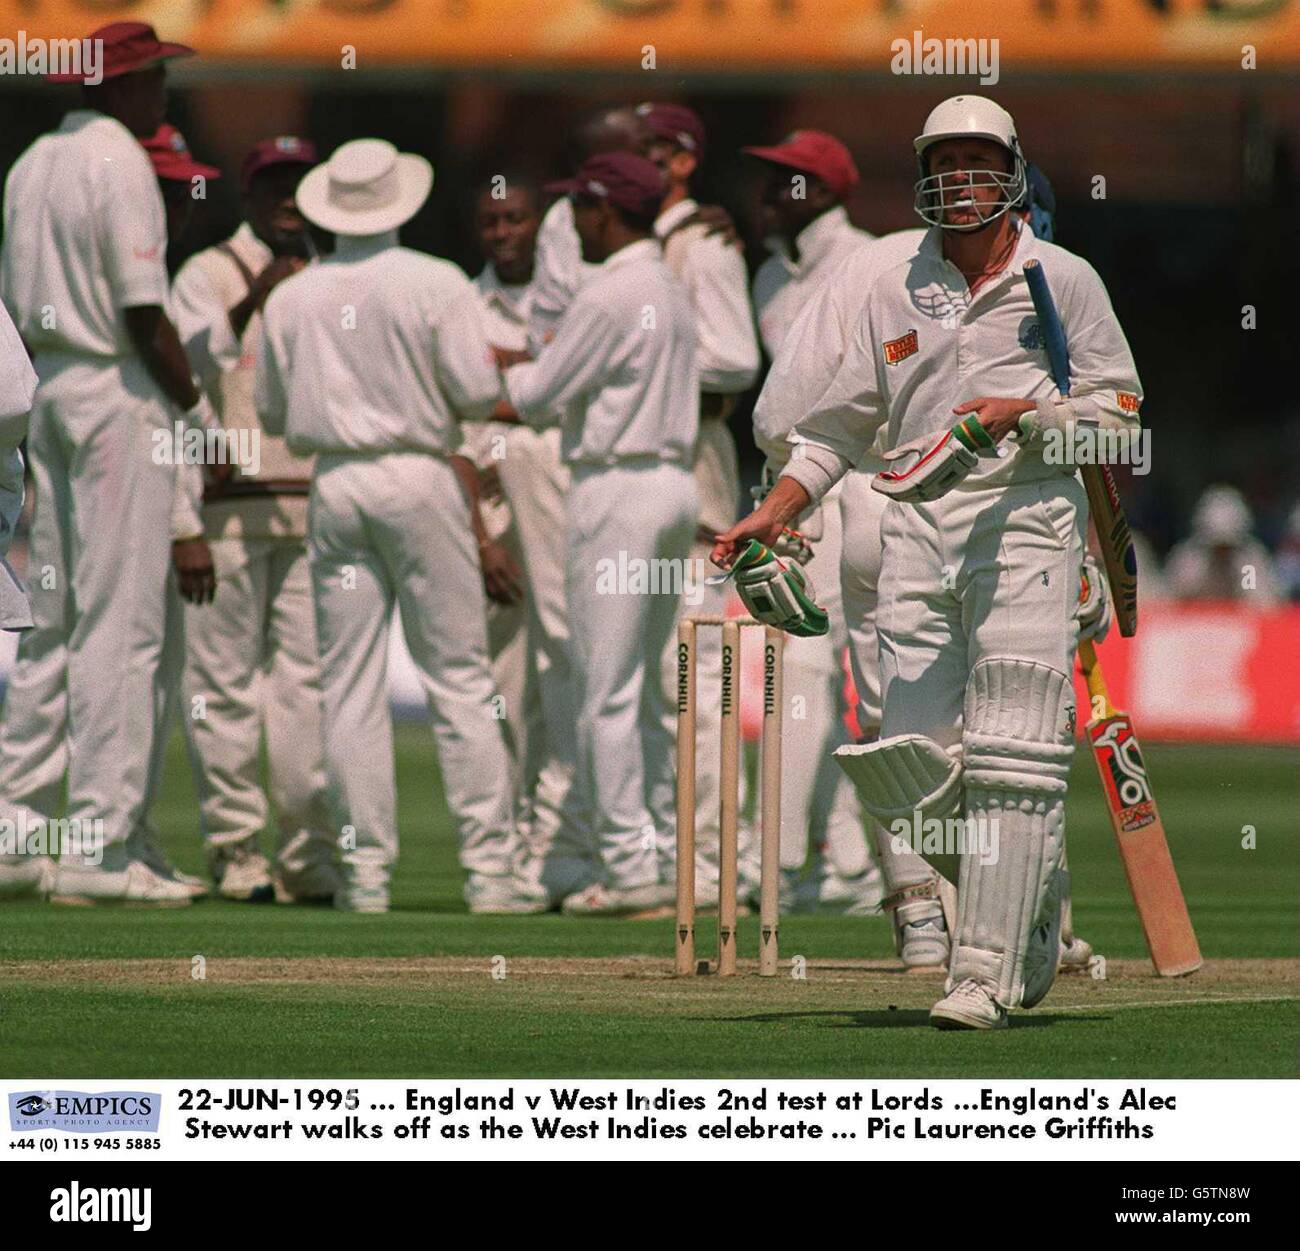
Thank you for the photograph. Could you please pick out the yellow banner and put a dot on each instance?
(986, 37)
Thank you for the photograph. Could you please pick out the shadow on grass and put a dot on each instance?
(900, 1018)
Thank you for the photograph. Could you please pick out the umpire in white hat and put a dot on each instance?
(369, 361)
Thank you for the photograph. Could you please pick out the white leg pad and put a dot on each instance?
(1017, 745)
(907, 778)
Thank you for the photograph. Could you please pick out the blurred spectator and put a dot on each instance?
(1222, 559)
(1287, 561)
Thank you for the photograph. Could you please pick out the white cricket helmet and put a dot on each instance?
(968, 117)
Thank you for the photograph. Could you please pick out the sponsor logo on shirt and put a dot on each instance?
(1127, 401)
(900, 349)
(1030, 334)
(145, 254)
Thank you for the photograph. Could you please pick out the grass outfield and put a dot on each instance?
(108, 992)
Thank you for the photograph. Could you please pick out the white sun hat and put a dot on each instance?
(365, 188)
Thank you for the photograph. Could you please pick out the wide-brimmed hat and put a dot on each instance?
(365, 188)
(128, 48)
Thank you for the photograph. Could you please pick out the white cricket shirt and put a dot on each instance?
(85, 237)
(377, 348)
(783, 286)
(812, 350)
(713, 273)
(924, 345)
(621, 368)
(558, 272)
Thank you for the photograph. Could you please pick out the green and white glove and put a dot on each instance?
(928, 468)
(777, 593)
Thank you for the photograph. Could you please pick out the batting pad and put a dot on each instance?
(910, 778)
(1017, 746)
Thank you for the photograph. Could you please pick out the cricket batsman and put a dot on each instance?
(982, 542)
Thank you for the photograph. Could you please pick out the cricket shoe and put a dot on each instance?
(26, 877)
(925, 944)
(504, 894)
(612, 901)
(826, 890)
(143, 845)
(135, 883)
(316, 884)
(968, 1006)
(244, 876)
(362, 899)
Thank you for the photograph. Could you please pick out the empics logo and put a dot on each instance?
(125, 1205)
(79, 1112)
(31, 1105)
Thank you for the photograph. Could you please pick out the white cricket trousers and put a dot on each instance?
(818, 803)
(861, 512)
(252, 669)
(630, 532)
(106, 539)
(392, 531)
(976, 574)
(34, 731)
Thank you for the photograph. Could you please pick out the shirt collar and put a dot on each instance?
(355, 247)
(493, 290)
(1026, 241)
(670, 219)
(641, 250)
(246, 238)
(814, 241)
(75, 119)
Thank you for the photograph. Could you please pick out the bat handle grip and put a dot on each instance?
(1096, 681)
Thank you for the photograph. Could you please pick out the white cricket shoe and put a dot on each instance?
(143, 845)
(362, 899)
(316, 884)
(26, 877)
(504, 894)
(610, 901)
(925, 944)
(827, 890)
(244, 875)
(136, 883)
(968, 1006)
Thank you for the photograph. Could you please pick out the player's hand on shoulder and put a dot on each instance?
(716, 221)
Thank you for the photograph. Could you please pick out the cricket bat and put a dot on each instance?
(1139, 831)
(1115, 541)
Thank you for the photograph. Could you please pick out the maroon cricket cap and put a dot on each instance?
(814, 152)
(282, 150)
(676, 123)
(624, 179)
(171, 157)
(128, 47)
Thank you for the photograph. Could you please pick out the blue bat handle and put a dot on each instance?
(1049, 321)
